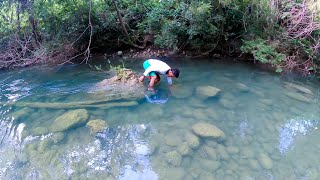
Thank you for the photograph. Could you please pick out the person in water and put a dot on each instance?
(154, 68)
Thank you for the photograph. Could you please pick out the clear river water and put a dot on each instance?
(269, 125)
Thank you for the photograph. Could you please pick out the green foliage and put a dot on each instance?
(199, 26)
(263, 52)
(119, 70)
(181, 23)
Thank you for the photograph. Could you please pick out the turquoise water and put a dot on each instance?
(271, 127)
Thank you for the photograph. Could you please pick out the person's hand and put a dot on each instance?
(141, 78)
(150, 89)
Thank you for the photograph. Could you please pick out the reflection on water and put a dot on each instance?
(230, 121)
(159, 96)
(293, 128)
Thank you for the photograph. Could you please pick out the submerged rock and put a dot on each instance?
(243, 87)
(265, 161)
(184, 149)
(70, 120)
(298, 87)
(124, 85)
(21, 113)
(192, 140)
(40, 131)
(180, 92)
(44, 145)
(97, 125)
(173, 140)
(228, 104)
(207, 130)
(299, 97)
(210, 152)
(207, 91)
(57, 137)
(173, 158)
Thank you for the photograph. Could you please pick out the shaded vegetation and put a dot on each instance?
(284, 34)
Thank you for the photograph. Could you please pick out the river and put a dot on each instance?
(268, 125)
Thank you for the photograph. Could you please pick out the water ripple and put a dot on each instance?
(291, 130)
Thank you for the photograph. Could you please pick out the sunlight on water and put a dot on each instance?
(218, 121)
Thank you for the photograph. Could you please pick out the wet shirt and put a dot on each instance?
(156, 66)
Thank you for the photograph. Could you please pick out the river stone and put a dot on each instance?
(210, 152)
(192, 140)
(209, 165)
(299, 97)
(242, 87)
(57, 137)
(97, 125)
(174, 173)
(180, 92)
(254, 164)
(207, 176)
(196, 102)
(207, 130)
(222, 153)
(265, 161)
(267, 102)
(298, 87)
(232, 150)
(227, 103)
(184, 149)
(44, 145)
(207, 91)
(40, 131)
(173, 140)
(21, 113)
(246, 153)
(70, 120)
(173, 158)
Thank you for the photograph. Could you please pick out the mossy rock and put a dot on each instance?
(97, 125)
(70, 120)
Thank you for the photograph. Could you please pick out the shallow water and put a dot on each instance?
(268, 133)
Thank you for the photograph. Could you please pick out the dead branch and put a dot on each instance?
(124, 29)
(87, 51)
(298, 20)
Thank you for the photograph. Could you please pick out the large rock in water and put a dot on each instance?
(207, 91)
(70, 120)
(207, 130)
(125, 85)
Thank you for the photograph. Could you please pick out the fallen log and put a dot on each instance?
(84, 104)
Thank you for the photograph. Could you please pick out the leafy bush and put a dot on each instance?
(264, 52)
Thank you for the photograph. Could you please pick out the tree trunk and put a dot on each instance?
(124, 28)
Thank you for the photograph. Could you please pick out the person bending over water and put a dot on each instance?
(154, 68)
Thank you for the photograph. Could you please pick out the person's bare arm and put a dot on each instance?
(151, 84)
(141, 78)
